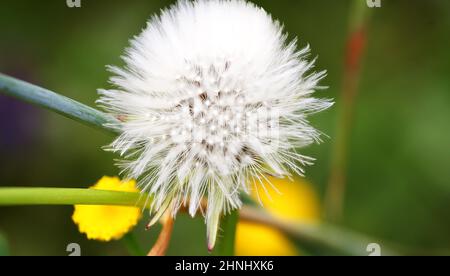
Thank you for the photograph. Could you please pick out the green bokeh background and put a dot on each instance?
(399, 158)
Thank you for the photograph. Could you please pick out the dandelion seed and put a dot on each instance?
(201, 64)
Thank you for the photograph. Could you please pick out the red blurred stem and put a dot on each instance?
(355, 49)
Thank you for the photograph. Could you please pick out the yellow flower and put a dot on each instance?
(297, 202)
(106, 223)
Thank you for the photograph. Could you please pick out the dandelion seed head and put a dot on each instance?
(215, 98)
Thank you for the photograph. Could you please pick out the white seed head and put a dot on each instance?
(212, 98)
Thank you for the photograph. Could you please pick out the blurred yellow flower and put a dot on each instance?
(106, 223)
(297, 202)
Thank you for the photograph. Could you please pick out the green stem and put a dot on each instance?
(4, 247)
(68, 196)
(50, 100)
(356, 44)
(359, 15)
(225, 246)
(322, 238)
(132, 245)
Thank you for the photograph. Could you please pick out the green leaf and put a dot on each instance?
(50, 100)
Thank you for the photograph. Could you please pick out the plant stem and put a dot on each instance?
(50, 100)
(132, 245)
(321, 238)
(68, 196)
(225, 246)
(4, 248)
(356, 44)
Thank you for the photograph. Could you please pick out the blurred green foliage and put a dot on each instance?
(4, 250)
(398, 173)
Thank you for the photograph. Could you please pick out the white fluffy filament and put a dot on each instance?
(211, 100)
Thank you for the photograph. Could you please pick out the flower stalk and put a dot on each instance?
(68, 196)
(324, 239)
(355, 49)
(229, 223)
(55, 102)
(132, 245)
